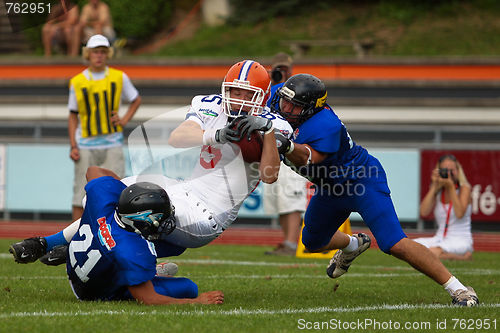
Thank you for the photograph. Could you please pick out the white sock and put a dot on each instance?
(453, 285)
(353, 245)
(291, 245)
(71, 230)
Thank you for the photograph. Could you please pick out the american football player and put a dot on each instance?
(348, 179)
(110, 257)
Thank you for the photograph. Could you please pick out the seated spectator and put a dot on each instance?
(60, 27)
(95, 19)
(449, 196)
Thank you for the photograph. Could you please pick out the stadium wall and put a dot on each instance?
(39, 178)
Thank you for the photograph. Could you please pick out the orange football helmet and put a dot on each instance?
(253, 82)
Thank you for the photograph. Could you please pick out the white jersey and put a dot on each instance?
(208, 202)
(221, 178)
(195, 222)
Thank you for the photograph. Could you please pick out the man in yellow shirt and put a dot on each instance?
(94, 126)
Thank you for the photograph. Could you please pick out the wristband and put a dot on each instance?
(269, 130)
(209, 136)
(290, 149)
(309, 159)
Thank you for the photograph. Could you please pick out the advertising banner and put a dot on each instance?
(481, 167)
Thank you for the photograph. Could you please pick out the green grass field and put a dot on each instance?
(262, 294)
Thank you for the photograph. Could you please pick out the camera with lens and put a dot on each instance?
(278, 74)
(443, 172)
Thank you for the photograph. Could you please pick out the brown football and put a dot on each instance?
(251, 150)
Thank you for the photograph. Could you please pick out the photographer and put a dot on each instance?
(281, 68)
(449, 197)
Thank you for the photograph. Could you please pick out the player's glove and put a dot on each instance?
(285, 145)
(229, 133)
(254, 123)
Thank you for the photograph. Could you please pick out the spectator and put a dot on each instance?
(287, 197)
(94, 126)
(449, 196)
(281, 69)
(95, 19)
(60, 29)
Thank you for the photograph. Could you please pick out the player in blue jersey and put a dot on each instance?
(111, 258)
(347, 179)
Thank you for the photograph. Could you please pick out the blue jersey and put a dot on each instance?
(349, 180)
(325, 133)
(103, 258)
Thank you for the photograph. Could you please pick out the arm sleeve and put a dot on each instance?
(72, 105)
(129, 92)
(322, 133)
(204, 108)
(136, 262)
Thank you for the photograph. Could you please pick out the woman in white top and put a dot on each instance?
(449, 196)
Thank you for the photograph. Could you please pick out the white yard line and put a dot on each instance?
(267, 276)
(239, 311)
(465, 271)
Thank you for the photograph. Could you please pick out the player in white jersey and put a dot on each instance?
(208, 202)
(221, 181)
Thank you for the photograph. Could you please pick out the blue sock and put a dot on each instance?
(55, 240)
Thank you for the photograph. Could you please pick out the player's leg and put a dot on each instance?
(32, 249)
(196, 225)
(377, 210)
(423, 260)
(165, 249)
(323, 217)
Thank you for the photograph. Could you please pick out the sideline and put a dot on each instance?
(241, 311)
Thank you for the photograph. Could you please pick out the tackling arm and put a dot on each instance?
(145, 293)
(303, 154)
(269, 162)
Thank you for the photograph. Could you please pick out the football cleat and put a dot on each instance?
(28, 250)
(463, 297)
(341, 261)
(56, 256)
(166, 269)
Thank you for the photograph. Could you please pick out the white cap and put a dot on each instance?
(97, 41)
